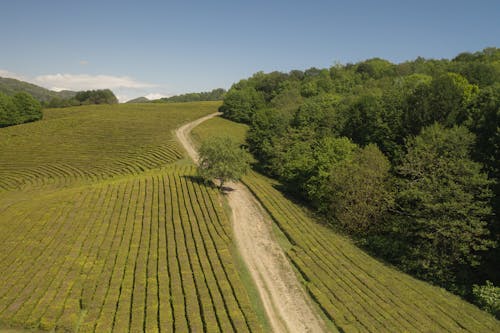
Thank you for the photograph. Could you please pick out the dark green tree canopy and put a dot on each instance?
(444, 196)
(322, 132)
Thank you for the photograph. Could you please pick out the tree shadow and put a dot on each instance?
(209, 183)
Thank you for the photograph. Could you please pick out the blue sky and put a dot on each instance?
(160, 48)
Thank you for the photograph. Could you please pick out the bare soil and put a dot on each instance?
(287, 305)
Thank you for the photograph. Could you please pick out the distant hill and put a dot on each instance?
(214, 95)
(10, 87)
(139, 100)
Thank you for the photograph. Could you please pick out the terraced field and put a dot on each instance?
(357, 292)
(354, 291)
(101, 231)
(146, 253)
(93, 143)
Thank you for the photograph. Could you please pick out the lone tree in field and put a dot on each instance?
(221, 158)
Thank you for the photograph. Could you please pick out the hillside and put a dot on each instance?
(93, 142)
(354, 291)
(10, 86)
(139, 100)
(103, 227)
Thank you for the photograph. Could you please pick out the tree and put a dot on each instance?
(28, 108)
(327, 153)
(447, 99)
(222, 159)
(104, 96)
(443, 196)
(360, 193)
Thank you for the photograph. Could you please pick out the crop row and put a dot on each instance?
(355, 291)
(151, 253)
(64, 174)
(92, 143)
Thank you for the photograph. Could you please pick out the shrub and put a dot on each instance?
(487, 297)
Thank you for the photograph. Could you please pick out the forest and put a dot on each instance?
(404, 158)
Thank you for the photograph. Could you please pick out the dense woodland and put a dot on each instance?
(403, 157)
(18, 109)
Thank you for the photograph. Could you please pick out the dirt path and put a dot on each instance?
(287, 305)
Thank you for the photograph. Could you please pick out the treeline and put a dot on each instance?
(404, 157)
(214, 95)
(19, 109)
(88, 97)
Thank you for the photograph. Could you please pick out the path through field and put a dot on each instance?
(287, 305)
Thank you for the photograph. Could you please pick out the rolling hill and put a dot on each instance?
(354, 291)
(10, 86)
(104, 227)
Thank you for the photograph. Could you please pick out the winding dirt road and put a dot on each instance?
(287, 305)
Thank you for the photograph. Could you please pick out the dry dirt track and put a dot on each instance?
(287, 305)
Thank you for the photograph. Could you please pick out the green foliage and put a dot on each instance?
(296, 117)
(222, 159)
(322, 114)
(88, 97)
(488, 298)
(239, 104)
(375, 68)
(18, 109)
(328, 153)
(444, 196)
(447, 99)
(360, 191)
(266, 124)
(104, 96)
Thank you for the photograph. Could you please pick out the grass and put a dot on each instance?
(356, 292)
(219, 127)
(145, 247)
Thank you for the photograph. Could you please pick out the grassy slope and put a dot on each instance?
(141, 251)
(93, 142)
(219, 127)
(355, 291)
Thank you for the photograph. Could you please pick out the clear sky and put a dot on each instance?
(160, 48)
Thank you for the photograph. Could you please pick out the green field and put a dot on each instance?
(354, 291)
(114, 235)
(93, 143)
(220, 127)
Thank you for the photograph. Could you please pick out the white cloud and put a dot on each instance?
(83, 62)
(152, 96)
(124, 87)
(87, 82)
(9, 74)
